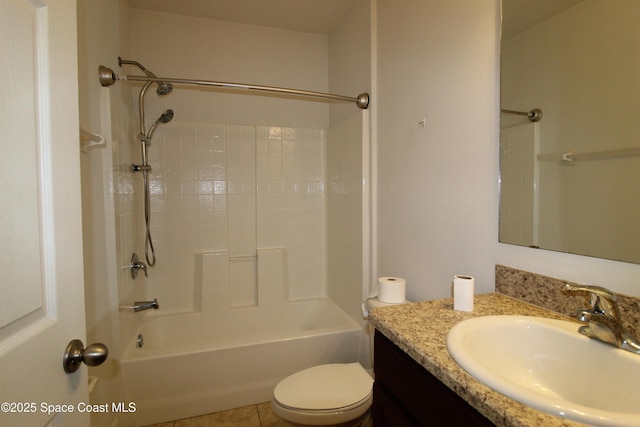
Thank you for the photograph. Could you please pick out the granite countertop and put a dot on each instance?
(420, 329)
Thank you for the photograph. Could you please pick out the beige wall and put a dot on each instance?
(437, 184)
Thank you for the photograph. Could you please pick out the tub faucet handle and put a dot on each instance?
(136, 265)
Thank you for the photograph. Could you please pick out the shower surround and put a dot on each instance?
(236, 189)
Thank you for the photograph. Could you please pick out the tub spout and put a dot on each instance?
(145, 305)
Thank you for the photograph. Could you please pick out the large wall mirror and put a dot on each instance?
(570, 181)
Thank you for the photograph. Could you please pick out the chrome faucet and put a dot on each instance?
(145, 305)
(136, 265)
(603, 320)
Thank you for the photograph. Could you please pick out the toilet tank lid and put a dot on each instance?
(330, 386)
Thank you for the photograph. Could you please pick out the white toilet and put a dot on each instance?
(325, 395)
(337, 394)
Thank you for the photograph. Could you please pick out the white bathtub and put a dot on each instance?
(193, 364)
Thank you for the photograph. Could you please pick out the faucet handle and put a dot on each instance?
(136, 265)
(603, 301)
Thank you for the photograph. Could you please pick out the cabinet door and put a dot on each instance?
(387, 411)
(427, 400)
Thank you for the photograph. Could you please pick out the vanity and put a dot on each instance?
(419, 383)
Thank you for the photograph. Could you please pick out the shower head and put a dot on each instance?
(165, 117)
(164, 88)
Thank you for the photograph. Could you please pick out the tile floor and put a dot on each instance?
(259, 415)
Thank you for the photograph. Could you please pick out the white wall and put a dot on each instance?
(437, 184)
(193, 48)
(348, 163)
(346, 254)
(350, 59)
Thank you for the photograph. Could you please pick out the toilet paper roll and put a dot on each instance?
(463, 293)
(391, 289)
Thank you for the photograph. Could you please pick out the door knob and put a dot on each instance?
(75, 354)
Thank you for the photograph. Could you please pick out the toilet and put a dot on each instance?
(336, 394)
(325, 395)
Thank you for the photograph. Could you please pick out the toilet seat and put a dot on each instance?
(325, 387)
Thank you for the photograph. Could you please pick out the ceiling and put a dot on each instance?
(308, 16)
(321, 16)
(520, 15)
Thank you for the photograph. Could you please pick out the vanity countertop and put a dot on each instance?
(420, 329)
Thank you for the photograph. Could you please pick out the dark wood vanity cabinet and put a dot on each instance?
(405, 394)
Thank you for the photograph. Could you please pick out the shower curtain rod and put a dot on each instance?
(108, 77)
(534, 115)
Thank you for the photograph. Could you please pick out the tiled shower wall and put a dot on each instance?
(236, 188)
(518, 184)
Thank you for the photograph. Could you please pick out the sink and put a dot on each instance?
(548, 365)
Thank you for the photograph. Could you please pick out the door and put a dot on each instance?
(41, 275)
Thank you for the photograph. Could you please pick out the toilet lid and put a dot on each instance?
(321, 387)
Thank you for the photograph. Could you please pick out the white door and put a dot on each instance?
(41, 275)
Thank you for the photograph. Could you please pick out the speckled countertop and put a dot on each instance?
(420, 329)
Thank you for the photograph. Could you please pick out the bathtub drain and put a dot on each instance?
(140, 341)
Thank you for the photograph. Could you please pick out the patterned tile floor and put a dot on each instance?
(259, 415)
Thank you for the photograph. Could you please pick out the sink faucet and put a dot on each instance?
(603, 320)
(145, 305)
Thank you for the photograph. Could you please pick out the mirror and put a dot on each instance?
(570, 182)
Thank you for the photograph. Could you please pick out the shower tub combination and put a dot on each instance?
(225, 357)
(187, 367)
(235, 346)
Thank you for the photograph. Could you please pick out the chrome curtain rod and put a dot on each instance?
(534, 115)
(107, 78)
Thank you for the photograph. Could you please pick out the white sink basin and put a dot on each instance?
(548, 365)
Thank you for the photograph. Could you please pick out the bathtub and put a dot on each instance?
(192, 364)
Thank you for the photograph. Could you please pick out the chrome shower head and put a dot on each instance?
(165, 117)
(164, 88)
